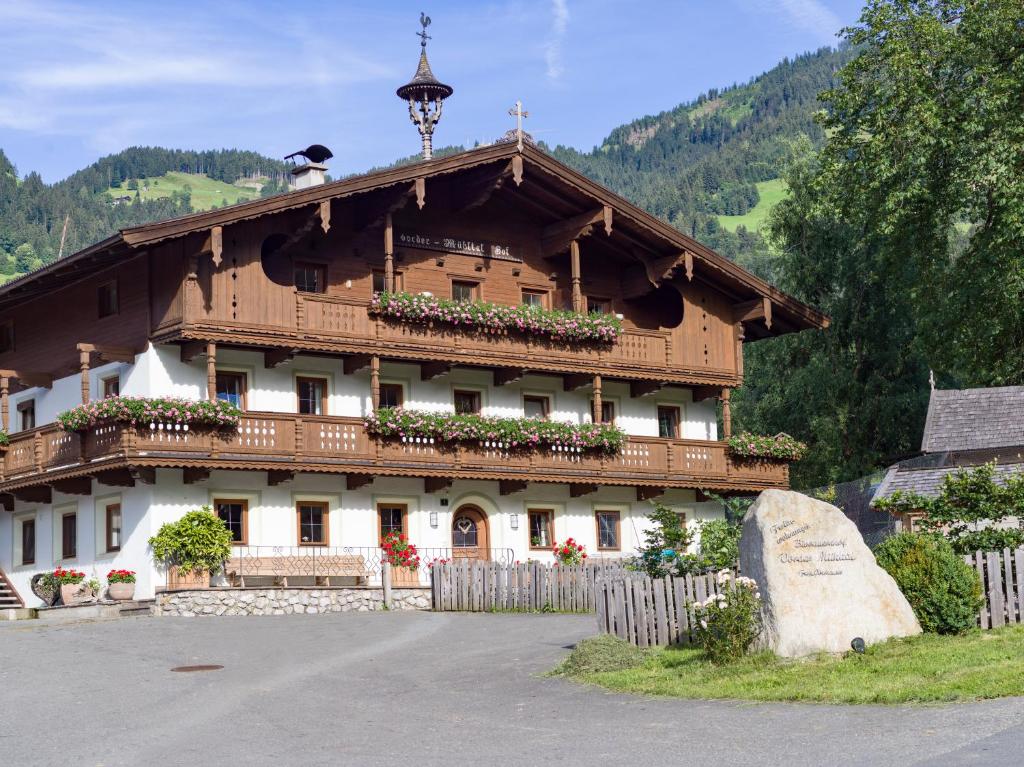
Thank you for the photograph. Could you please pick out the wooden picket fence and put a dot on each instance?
(650, 612)
(1001, 581)
(481, 586)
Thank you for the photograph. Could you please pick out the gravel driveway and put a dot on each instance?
(419, 689)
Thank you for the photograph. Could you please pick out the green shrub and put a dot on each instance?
(729, 622)
(602, 653)
(198, 542)
(944, 591)
(719, 544)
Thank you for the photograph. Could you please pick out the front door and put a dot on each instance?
(469, 533)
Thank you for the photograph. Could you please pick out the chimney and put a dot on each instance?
(310, 174)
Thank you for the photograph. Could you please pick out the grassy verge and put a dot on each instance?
(769, 194)
(923, 669)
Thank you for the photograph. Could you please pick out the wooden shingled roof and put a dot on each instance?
(563, 191)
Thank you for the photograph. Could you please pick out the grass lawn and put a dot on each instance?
(769, 194)
(206, 192)
(923, 669)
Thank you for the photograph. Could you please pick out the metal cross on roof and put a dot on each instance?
(518, 113)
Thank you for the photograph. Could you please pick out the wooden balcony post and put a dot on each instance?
(739, 350)
(574, 259)
(375, 381)
(211, 371)
(598, 415)
(389, 255)
(83, 365)
(37, 449)
(5, 404)
(726, 414)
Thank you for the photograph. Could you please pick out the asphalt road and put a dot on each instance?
(416, 689)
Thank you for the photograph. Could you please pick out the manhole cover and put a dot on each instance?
(209, 667)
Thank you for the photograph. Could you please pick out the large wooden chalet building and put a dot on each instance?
(268, 304)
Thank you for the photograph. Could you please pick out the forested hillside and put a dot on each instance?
(32, 214)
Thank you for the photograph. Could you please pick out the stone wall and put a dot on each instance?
(282, 601)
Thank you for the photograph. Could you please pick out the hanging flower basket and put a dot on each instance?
(508, 434)
(498, 319)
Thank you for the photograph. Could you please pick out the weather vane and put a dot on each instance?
(425, 21)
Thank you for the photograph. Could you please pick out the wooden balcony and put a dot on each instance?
(325, 323)
(283, 443)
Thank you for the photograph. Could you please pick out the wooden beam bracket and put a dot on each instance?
(509, 486)
(647, 492)
(356, 481)
(191, 350)
(73, 485)
(273, 358)
(190, 475)
(436, 484)
(644, 388)
(144, 474)
(574, 381)
(355, 362)
(505, 376)
(579, 489)
(431, 370)
(277, 477)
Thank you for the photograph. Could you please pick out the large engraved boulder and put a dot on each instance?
(820, 586)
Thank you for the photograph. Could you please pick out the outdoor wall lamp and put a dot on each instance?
(514, 521)
(433, 519)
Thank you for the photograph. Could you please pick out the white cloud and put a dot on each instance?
(553, 47)
(811, 15)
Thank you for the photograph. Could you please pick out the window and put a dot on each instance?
(113, 527)
(598, 305)
(392, 518)
(608, 530)
(313, 516)
(312, 394)
(467, 402)
(379, 283)
(541, 536)
(668, 421)
(536, 406)
(465, 534)
(535, 298)
(391, 395)
(27, 414)
(231, 388)
(310, 278)
(235, 514)
(106, 299)
(465, 291)
(7, 336)
(28, 541)
(607, 411)
(111, 386)
(69, 536)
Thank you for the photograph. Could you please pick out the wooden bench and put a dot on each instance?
(282, 568)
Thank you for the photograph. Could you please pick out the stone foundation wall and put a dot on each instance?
(282, 601)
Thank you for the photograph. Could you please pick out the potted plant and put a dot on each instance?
(121, 585)
(403, 558)
(569, 553)
(192, 549)
(70, 583)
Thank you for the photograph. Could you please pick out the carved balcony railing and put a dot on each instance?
(346, 323)
(289, 442)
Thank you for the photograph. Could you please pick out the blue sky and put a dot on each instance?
(81, 80)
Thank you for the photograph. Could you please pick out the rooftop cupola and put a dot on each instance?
(425, 94)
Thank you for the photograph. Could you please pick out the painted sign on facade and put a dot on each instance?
(445, 244)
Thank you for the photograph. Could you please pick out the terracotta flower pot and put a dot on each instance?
(195, 580)
(121, 592)
(72, 593)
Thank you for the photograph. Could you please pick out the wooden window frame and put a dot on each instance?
(108, 546)
(380, 519)
(605, 403)
(244, 503)
(545, 398)
(314, 266)
(244, 405)
(399, 280)
(63, 537)
(550, 525)
(7, 336)
(678, 424)
(475, 284)
(544, 293)
(476, 393)
(30, 521)
(103, 310)
(107, 381)
(323, 394)
(618, 529)
(23, 407)
(325, 510)
(392, 386)
(600, 300)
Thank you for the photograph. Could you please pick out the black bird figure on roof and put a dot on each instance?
(317, 153)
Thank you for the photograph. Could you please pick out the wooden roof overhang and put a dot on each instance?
(545, 186)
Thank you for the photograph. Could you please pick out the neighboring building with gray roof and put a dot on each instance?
(964, 428)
